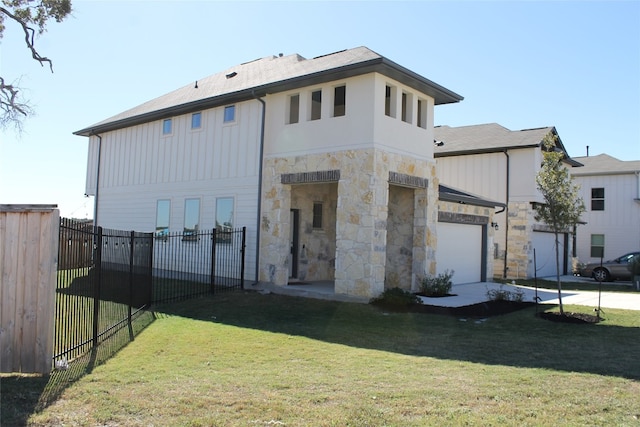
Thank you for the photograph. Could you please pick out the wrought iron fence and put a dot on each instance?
(107, 278)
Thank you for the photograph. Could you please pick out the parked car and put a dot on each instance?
(610, 270)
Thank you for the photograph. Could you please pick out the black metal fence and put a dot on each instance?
(107, 278)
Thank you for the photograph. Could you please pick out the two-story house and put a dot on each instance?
(500, 164)
(327, 161)
(610, 189)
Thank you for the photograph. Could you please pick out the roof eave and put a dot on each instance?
(381, 65)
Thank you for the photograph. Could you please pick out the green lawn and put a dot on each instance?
(245, 359)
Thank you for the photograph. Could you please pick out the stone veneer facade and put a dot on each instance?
(363, 177)
(521, 223)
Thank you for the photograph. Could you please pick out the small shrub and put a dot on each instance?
(396, 297)
(503, 294)
(437, 286)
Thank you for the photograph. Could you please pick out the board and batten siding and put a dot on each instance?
(619, 221)
(28, 264)
(140, 166)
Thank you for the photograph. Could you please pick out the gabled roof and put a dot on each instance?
(450, 194)
(267, 75)
(603, 164)
(490, 138)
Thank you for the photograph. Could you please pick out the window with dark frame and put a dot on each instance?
(597, 199)
(405, 107)
(316, 104)
(339, 101)
(317, 215)
(597, 245)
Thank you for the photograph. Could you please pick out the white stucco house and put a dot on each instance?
(610, 189)
(500, 164)
(328, 162)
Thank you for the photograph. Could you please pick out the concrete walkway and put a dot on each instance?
(474, 293)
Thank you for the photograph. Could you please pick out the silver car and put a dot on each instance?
(610, 270)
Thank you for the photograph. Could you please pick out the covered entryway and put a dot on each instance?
(460, 250)
(544, 245)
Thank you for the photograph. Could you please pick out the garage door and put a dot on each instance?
(544, 244)
(460, 249)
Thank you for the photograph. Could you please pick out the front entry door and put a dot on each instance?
(294, 221)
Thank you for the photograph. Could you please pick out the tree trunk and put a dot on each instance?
(558, 274)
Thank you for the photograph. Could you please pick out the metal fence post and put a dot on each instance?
(213, 260)
(97, 286)
(242, 251)
(131, 271)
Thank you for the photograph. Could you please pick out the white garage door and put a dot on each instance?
(544, 244)
(460, 249)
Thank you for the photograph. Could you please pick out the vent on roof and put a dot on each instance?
(232, 75)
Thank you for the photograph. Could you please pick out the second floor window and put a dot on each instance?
(294, 109)
(316, 104)
(597, 199)
(196, 120)
(339, 101)
(167, 127)
(422, 114)
(230, 113)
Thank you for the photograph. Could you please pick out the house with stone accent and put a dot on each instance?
(327, 161)
(500, 164)
(610, 189)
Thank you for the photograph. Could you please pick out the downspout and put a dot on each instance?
(264, 108)
(506, 228)
(95, 199)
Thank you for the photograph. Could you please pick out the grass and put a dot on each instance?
(245, 359)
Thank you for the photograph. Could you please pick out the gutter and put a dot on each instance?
(506, 229)
(96, 197)
(264, 109)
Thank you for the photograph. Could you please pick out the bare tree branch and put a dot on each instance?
(29, 38)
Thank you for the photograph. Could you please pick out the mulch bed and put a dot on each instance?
(569, 317)
(484, 309)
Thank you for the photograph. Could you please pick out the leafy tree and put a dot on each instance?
(32, 16)
(563, 207)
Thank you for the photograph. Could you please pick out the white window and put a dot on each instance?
(407, 107)
(294, 109)
(196, 120)
(167, 127)
(230, 113)
(316, 104)
(597, 245)
(339, 101)
(422, 113)
(224, 219)
(597, 199)
(191, 219)
(163, 211)
(390, 101)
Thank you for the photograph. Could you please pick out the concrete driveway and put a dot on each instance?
(474, 293)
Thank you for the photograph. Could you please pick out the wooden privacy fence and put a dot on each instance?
(28, 258)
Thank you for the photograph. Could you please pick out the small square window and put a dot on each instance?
(166, 127)
(229, 113)
(317, 215)
(196, 120)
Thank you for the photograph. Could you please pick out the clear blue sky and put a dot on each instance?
(573, 65)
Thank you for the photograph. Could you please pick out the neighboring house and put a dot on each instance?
(327, 161)
(610, 189)
(500, 164)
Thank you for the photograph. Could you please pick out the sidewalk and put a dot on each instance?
(474, 293)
